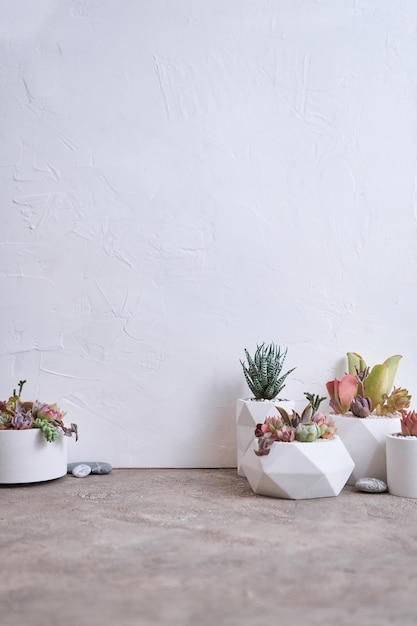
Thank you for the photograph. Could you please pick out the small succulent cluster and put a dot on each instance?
(263, 371)
(364, 391)
(307, 427)
(18, 415)
(409, 423)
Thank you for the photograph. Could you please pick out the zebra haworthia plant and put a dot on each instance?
(263, 371)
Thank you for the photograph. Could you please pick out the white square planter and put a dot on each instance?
(297, 470)
(26, 457)
(365, 440)
(402, 466)
(249, 413)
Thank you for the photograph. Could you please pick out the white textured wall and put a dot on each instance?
(181, 179)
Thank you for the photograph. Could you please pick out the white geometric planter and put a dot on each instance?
(402, 466)
(297, 470)
(26, 457)
(249, 413)
(365, 440)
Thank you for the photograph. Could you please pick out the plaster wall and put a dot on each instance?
(184, 179)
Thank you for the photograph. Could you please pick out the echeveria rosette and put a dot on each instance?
(22, 418)
(342, 392)
(49, 412)
(326, 425)
(398, 400)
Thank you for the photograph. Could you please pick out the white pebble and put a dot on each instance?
(81, 471)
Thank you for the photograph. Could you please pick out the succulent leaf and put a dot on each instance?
(355, 363)
(48, 429)
(409, 423)
(392, 364)
(342, 392)
(361, 407)
(376, 385)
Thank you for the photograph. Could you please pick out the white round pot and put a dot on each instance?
(402, 465)
(26, 457)
(365, 440)
(249, 413)
(298, 470)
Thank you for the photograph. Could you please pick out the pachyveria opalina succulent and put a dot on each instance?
(308, 427)
(361, 407)
(263, 371)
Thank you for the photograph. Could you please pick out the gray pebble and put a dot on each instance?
(97, 467)
(81, 470)
(371, 485)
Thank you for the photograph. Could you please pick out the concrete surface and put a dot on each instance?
(197, 547)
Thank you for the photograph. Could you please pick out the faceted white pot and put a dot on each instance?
(365, 440)
(297, 470)
(402, 466)
(249, 413)
(26, 457)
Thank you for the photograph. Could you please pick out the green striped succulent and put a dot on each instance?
(263, 371)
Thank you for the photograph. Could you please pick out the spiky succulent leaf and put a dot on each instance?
(409, 423)
(285, 417)
(314, 401)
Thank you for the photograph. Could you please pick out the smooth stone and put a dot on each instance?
(97, 467)
(81, 470)
(371, 485)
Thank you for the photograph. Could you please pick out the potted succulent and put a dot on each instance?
(32, 442)
(401, 450)
(367, 407)
(298, 456)
(265, 378)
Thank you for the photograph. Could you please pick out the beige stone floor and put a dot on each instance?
(197, 548)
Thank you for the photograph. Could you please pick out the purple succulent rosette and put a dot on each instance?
(22, 417)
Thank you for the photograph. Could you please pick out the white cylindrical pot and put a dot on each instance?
(26, 457)
(402, 466)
